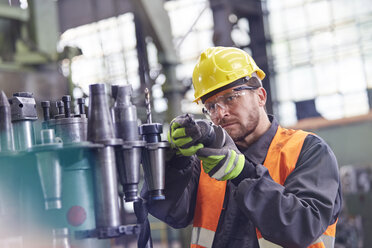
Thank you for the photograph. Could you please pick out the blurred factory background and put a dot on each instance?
(317, 55)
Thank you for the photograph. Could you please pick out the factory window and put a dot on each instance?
(192, 29)
(109, 50)
(321, 50)
(108, 53)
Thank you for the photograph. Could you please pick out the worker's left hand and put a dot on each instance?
(184, 135)
(224, 163)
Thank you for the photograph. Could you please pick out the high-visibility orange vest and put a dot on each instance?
(280, 160)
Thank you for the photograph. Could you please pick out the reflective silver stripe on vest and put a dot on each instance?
(328, 241)
(201, 236)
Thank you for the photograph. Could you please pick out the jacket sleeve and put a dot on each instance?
(181, 183)
(297, 213)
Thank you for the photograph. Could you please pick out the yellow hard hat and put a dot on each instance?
(220, 66)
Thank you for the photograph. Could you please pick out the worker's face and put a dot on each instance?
(242, 116)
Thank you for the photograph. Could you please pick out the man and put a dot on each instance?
(266, 187)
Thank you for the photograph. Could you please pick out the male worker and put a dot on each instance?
(266, 187)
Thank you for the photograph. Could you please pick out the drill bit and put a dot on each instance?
(148, 105)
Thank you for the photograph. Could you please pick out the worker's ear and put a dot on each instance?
(262, 96)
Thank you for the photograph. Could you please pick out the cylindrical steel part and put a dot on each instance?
(24, 136)
(71, 130)
(47, 136)
(100, 126)
(105, 181)
(154, 169)
(101, 131)
(151, 132)
(129, 171)
(126, 128)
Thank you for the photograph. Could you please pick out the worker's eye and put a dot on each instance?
(230, 98)
(210, 106)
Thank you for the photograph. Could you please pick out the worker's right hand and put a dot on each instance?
(184, 135)
(223, 163)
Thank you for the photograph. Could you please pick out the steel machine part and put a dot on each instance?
(6, 128)
(78, 159)
(101, 131)
(23, 110)
(69, 127)
(49, 169)
(77, 174)
(128, 157)
(154, 155)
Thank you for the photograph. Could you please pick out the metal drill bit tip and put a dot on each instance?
(148, 105)
(3, 99)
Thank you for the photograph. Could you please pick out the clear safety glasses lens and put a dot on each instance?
(225, 101)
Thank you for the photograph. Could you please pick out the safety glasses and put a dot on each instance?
(228, 100)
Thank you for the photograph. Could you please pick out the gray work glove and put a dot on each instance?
(184, 135)
(224, 163)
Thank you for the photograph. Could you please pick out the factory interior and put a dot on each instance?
(69, 69)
